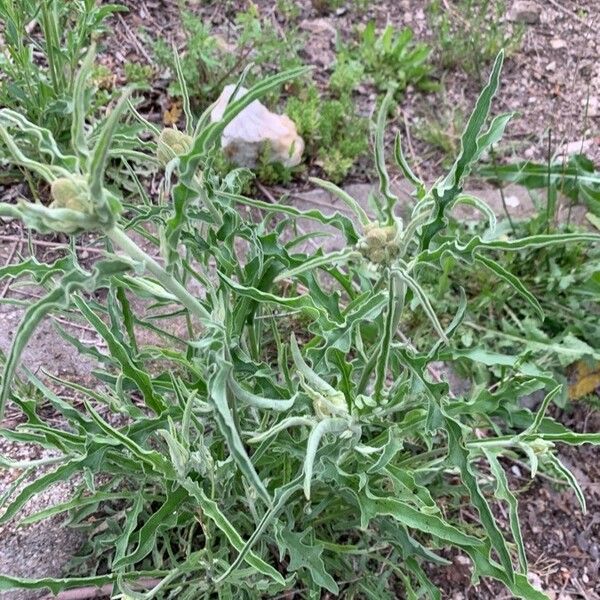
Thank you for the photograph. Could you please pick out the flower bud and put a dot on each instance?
(172, 143)
(379, 244)
(70, 192)
(541, 446)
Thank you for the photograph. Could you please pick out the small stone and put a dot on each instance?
(593, 106)
(551, 66)
(558, 44)
(525, 11)
(256, 129)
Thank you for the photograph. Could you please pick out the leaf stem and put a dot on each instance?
(121, 239)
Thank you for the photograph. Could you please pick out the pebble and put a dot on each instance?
(593, 106)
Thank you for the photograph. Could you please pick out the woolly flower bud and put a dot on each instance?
(70, 192)
(379, 243)
(330, 404)
(172, 143)
(541, 446)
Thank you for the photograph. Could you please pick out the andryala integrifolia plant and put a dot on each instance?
(295, 439)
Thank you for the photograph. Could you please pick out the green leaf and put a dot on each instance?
(57, 585)
(519, 586)
(325, 260)
(227, 426)
(332, 425)
(384, 178)
(568, 477)
(305, 555)
(471, 144)
(58, 298)
(423, 301)
(405, 167)
(302, 303)
(458, 455)
(151, 457)
(144, 539)
(242, 394)
(372, 506)
(503, 492)
(212, 511)
(345, 197)
(513, 281)
(62, 473)
(78, 138)
(337, 220)
(122, 355)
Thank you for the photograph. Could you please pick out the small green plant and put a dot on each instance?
(470, 34)
(392, 58)
(289, 9)
(209, 61)
(347, 75)
(333, 131)
(249, 460)
(139, 75)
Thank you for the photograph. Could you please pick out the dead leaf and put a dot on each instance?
(584, 378)
(173, 113)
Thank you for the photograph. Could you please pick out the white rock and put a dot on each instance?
(558, 44)
(255, 128)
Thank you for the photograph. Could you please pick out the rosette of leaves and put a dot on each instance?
(252, 461)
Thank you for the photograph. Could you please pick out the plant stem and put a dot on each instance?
(120, 238)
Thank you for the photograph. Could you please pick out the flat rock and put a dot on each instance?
(256, 130)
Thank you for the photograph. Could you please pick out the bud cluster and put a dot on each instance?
(71, 192)
(379, 243)
(172, 143)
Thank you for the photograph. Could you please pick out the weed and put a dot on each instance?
(139, 75)
(470, 34)
(249, 460)
(347, 75)
(42, 46)
(442, 131)
(289, 9)
(331, 128)
(209, 61)
(391, 58)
